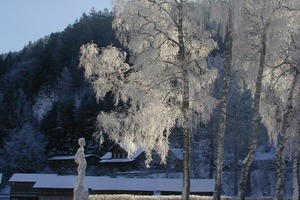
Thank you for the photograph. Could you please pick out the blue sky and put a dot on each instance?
(22, 21)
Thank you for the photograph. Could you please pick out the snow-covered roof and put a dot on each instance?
(117, 160)
(107, 158)
(60, 182)
(69, 157)
(105, 183)
(128, 184)
(22, 177)
(177, 153)
(264, 156)
(135, 154)
(108, 155)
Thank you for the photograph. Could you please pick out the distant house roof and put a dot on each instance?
(102, 183)
(69, 157)
(259, 156)
(20, 177)
(108, 157)
(117, 160)
(178, 153)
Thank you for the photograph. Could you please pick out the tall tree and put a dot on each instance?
(266, 35)
(258, 16)
(223, 102)
(166, 82)
(293, 138)
(288, 82)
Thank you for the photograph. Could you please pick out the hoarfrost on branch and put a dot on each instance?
(151, 86)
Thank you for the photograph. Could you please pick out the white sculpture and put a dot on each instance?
(80, 192)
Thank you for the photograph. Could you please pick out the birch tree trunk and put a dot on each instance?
(296, 175)
(296, 156)
(255, 118)
(185, 108)
(223, 110)
(280, 152)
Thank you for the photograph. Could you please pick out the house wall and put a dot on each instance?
(56, 194)
(23, 190)
(173, 164)
(56, 198)
(69, 166)
(118, 152)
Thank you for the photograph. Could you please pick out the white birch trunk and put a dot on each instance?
(280, 152)
(223, 110)
(296, 157)
(296, 175)
(185, 108)
(255, 119)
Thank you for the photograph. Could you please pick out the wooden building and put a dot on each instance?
(52, 186)
(21, 186)
(67, 164)
(116, 159)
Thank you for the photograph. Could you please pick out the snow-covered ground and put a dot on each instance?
(132, 197)
(192, 197)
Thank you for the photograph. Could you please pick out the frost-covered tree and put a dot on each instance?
(24, 151)
(166, 82)
(260, 19)
(287, 90)
(224, 13)
(281, 79)
(262, 38)
(294, 131)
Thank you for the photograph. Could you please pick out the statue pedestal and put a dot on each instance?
(82, 193)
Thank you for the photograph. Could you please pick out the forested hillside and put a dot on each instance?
(212, 76)
(42, 90)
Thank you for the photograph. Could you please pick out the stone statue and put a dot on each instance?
(80, 192)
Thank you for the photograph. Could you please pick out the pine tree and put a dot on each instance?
(24, 151)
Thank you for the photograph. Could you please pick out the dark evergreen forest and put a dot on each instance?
(46, 71)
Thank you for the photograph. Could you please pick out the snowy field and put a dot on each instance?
(192, 197)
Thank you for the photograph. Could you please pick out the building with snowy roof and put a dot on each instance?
(52, 186)
(63, 164)
(117, 159)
